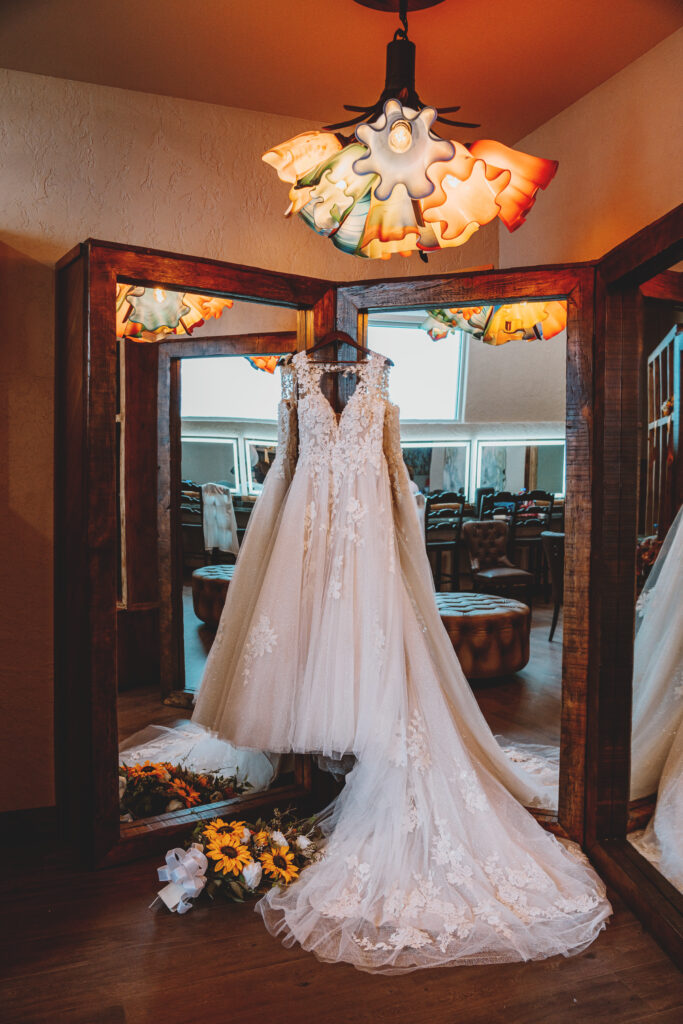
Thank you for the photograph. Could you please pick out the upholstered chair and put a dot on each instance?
(492, 571)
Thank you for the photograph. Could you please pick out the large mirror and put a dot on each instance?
(656, 779)
(482, 413)
(148, 472)
(198, 398)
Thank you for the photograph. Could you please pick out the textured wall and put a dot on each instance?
(621, 164)
(518, 382)
(26, 467)
(82, 160)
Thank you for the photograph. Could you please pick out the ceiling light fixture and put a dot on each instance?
(397, 186)
(497, 324)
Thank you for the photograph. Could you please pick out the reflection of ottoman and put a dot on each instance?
(209, 587)
(490, 634)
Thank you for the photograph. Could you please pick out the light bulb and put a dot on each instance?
(400, 136)
(159, 294)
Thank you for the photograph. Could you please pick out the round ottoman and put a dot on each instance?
(490, 634)
(209, 587)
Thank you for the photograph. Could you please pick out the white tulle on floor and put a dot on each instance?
(657, 733)
(198, 750)
(330, 642)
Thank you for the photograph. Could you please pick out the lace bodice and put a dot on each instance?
(351, 442)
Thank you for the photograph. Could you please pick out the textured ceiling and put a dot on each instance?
(511, 64)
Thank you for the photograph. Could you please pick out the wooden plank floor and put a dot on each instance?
(83, 948)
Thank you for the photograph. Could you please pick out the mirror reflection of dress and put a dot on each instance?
(330, 642)
(657, 716)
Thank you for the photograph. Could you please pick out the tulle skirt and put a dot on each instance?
(331, 643)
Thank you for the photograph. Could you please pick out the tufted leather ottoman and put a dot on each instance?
(209, 587)
(490, 634)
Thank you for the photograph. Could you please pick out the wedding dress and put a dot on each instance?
(657, 717)
(330, 642)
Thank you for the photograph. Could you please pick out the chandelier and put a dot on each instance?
(499, 323)
(395, 186)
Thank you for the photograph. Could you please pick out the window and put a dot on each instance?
(221, 387)
(513, 465)
(260, 455)
(210, 460)
(438, 465)
(426, 379)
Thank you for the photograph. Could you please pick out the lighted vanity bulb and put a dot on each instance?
(400, 136)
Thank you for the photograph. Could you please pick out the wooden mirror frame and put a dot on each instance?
(575, 283)
(169, 539)
(595, 721)
(620, 275)
(86, 535)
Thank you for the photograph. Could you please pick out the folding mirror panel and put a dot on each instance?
(635, 792)
(164, 429)
(478, 441)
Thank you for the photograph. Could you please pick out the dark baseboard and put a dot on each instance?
(31, 823)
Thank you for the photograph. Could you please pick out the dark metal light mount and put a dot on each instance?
(399, 81)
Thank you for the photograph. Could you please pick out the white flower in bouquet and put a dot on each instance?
(305, 845)
(246, 835)
(279, 839)
(251, 873)
(174, 805)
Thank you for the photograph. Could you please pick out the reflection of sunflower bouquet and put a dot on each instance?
(646, 556)
(248, 859)
(157, 787)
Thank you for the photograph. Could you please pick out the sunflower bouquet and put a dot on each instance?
(158, 786)
(247, 859)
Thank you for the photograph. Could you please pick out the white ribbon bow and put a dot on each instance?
(185, 872)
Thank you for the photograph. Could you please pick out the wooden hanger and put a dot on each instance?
(342, 338)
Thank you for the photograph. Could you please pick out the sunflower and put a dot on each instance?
(262, 838)
(230, 856)
(217, 828)
(185, 792)
(148, 770)
(278, 862)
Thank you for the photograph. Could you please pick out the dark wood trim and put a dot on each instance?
(646, 254)
(151, 267)
(28, 824)
(575, 284)
(618, 357)
(169, 538)
(667, 287)
(643, 258)
(656, 903)
(86, 531)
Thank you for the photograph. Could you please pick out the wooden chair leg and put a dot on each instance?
(556, 612)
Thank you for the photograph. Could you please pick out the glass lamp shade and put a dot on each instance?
(292, 159)
(399, 188)
(400, 148)
(527, 175)
(501, 323)
(148, 314)
(266, 363)
(333, 188)
(464, 196)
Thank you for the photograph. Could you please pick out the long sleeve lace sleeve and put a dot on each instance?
(287, 427)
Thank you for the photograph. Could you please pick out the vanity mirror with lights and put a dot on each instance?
(149, 447)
